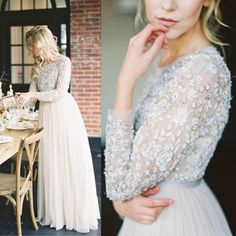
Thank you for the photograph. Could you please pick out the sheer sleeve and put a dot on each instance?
(62, 86)
(33, 88)
(137, 162)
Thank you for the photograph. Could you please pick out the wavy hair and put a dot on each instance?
(42, 37)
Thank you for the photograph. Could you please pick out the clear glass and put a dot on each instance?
(63, 49)
(29, 111)
(2, 125)
(15, 5)
(63, 34)
(27, 4)
(60, 3)
(16, 54)
(40, 4)
(49, 4)
(16, 35)
(30, 106)
(28, 58)
(27, 74)
(16, 74)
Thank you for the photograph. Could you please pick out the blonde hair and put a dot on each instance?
(211, 20)
(42, 37)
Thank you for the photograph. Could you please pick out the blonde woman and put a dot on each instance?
(66, 185)
(176, 125)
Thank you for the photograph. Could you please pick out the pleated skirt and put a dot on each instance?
(66, 183)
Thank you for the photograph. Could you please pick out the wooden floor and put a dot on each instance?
(7, 218)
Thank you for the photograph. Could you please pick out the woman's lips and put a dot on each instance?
(167, 22)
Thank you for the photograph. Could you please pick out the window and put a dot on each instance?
(63, 41)
(21, 5)
(21, 61)
(16, 18)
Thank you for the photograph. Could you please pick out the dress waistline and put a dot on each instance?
(185, 185)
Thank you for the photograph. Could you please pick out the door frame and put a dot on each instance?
(51, 17)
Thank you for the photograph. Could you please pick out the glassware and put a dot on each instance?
(29, 106)
(2, 125)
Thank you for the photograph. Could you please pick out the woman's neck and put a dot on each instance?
(188, 43)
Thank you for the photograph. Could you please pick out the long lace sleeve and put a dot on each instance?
(137, 162)
(33, 88)
(62, 86)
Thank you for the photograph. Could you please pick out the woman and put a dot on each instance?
(177, 123)
(66, 185)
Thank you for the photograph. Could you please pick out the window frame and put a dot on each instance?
(51, 17)
(53, 4)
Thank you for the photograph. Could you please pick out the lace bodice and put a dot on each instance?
(53, 80)
(176, 126)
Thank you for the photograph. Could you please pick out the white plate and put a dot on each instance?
(31, 117)
(21, 126)
(6, 139)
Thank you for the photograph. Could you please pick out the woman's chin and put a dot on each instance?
(176, 34)
(172, 35)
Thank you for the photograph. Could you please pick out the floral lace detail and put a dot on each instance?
(53, 81)
(179, 127)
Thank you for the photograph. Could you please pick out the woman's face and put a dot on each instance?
(180, 16)
(34, 49)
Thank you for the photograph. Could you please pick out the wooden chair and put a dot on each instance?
(25, 165)
(15, 187)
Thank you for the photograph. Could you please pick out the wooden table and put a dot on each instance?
(7, 150)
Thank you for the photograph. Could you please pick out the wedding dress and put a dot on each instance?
(66, 184)
(169, 141)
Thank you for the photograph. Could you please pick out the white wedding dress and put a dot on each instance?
(169, 142)
(66, 184)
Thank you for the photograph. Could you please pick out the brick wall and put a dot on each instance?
(86, 61)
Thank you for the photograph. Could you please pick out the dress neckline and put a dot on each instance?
(187, 56)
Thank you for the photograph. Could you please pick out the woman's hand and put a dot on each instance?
(137, 60)
(24, 98)
(139, 56)
(142, 209)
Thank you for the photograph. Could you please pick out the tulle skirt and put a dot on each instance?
(195, 212)
(66, 184)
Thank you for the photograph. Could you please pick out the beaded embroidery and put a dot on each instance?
(177, 125)
(53, 80)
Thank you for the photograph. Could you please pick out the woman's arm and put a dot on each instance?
(134, 164)
(33, 88)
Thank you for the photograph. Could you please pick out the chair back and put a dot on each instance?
(31, 146)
